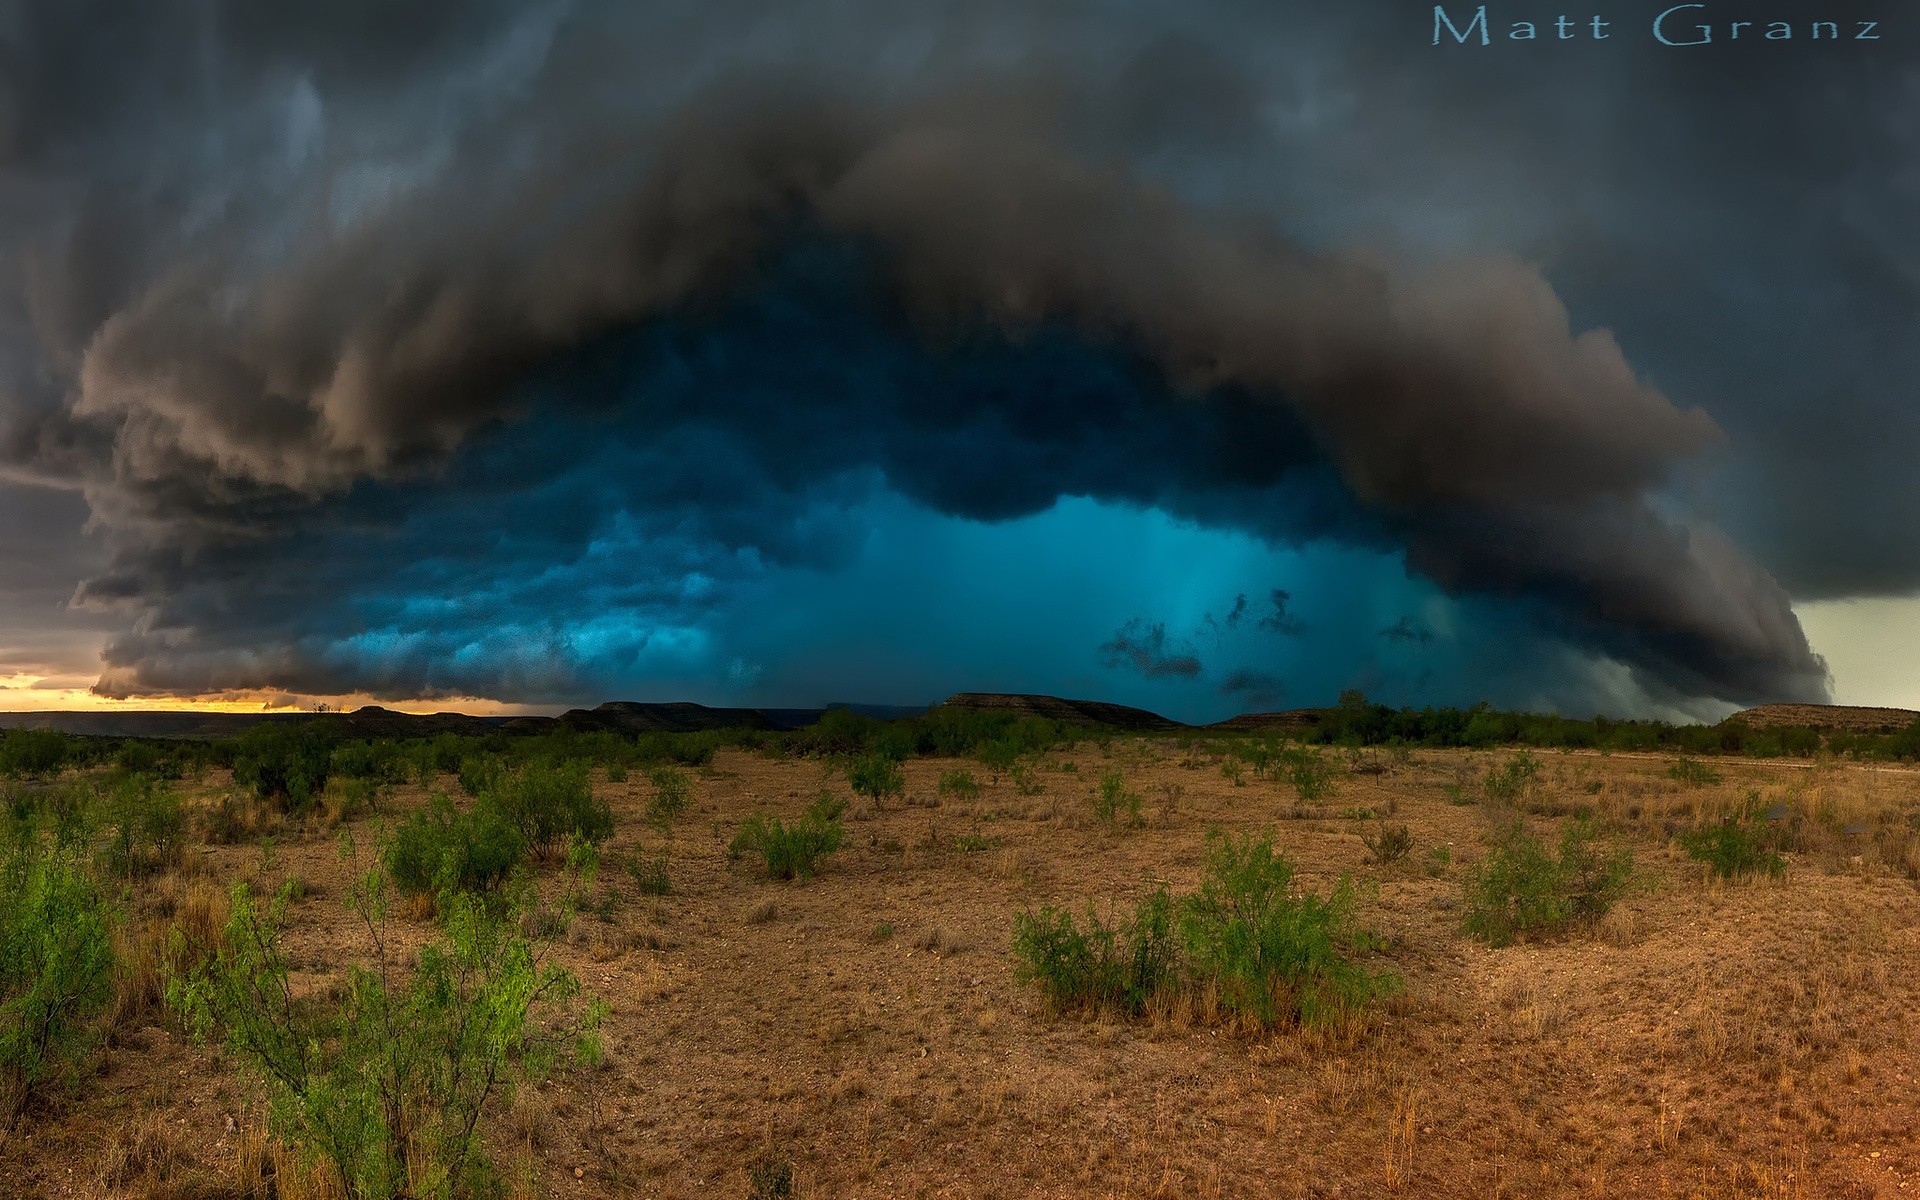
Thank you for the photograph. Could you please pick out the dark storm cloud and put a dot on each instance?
(281, 281)
(1146, 648)
(1405, 631)
(1280, 620)
(1255, 689)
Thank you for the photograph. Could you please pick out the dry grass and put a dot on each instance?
(186, 923)
(1704, 1040)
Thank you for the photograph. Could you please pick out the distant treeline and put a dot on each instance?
(295, 759)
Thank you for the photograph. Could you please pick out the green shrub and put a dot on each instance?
(1521, 887)
(385, 1083)
(144, 758)
(145, 823)
(381, 762)
(1514, 780)
(480, 773)
(1113, 799)
(549, 805)
(1267, 954)
(1390, 845)
(1693, 774)
(999, 756)
(1272, 954)
(441, 848)
(56, 965)
(650, 875)
(878, 778)
(1026, 781)
(616, 772)
(672, 792)
(1103, 967)
(959, 786)
(32, 752)
(792, 851)
(769, 1178)
(286, 762)
(1309, 773)
(1739, 846)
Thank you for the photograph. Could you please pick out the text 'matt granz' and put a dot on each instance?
(1680, 25)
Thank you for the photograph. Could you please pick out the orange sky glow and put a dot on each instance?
(42, 693)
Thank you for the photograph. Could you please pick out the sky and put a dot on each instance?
(1210, 357)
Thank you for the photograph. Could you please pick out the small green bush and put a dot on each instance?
(550, 804)
(792, 851)
(1514, 780)
(1390, 845)
(1101, 967)
(959, 786)
(1692, 773)
(878, 778)
(1275, 955)
(1737, 847)
(999, 756)
(1113, 800)
(56, 965)
(650, 875)
(1268, 954)
(1521, 887)
(387, 1083)
(1026, 780)
(480, 773)
(287, 762)
(1309, 773)
(32, 752)
(441, 848)
(145, 823)
(769, 1178)
(672, 792)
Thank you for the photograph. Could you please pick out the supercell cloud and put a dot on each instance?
(555, 353)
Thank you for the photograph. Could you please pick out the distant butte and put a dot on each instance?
(1838, 717)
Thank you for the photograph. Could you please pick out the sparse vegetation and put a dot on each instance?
(792, 851)
(1389, 845)
(145, 824)
(1736, 846)
(1245, 940)
(650, 874)
(56, 964)
(383, 1086)
(672, 792)
(1693, 774)
(1514, 781)
(878, 778)
(959, 786)
(1523, 888)
(156, 832)
(1309, 773)
(1115, 803)
(441, 848)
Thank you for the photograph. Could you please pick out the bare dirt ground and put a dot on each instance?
(1707, 1040)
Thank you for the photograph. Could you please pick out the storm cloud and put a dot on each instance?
(498, 358)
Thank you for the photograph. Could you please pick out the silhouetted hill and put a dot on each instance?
(630, 717)
(626, 717)
(1077, 712)
(1293, 720)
